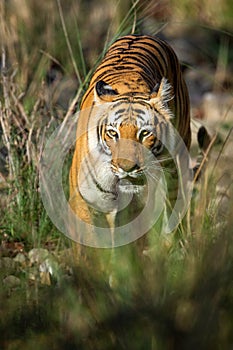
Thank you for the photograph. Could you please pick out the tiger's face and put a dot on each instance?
(132, 140)
(131, 133)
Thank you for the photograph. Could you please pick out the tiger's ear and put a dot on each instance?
(161, 94)
(103, 92)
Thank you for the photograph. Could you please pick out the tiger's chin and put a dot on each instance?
(126, 186)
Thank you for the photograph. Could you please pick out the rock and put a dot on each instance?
(38, 255)
(11, 281)
(20, 258)
(44, 266)
(7, 265)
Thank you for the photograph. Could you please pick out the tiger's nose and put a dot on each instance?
(127, 165)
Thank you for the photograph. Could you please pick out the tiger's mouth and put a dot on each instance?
(131, 181)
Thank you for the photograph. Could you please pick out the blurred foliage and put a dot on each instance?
(216, 14)
(180, 301)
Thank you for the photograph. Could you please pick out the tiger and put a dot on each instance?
(135, 96)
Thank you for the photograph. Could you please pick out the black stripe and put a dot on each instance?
(156, 48)
(139, 111)
(134, 56)
(120, 111)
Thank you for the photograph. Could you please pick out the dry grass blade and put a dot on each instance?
(204, 159)
(221, 151)
(5, 114)
(68, 42)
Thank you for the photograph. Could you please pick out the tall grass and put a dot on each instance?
(179, 295)
(24, 216)
(35, 58)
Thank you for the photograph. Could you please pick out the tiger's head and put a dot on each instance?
(132, 131)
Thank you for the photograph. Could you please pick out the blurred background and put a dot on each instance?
(179, 297)
(33, 36)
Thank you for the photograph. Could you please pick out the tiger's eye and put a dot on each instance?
(112, 133)
(144, 133)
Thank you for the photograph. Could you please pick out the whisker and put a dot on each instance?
(162, 169)
(160, 160)
(153, 176)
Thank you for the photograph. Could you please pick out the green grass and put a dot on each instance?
(178, 297)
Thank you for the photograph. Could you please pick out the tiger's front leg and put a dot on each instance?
(83, 229)
(80, 209)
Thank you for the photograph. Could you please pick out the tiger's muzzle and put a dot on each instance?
(128, 166)
(133, 180)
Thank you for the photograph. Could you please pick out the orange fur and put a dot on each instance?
(132, 67)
